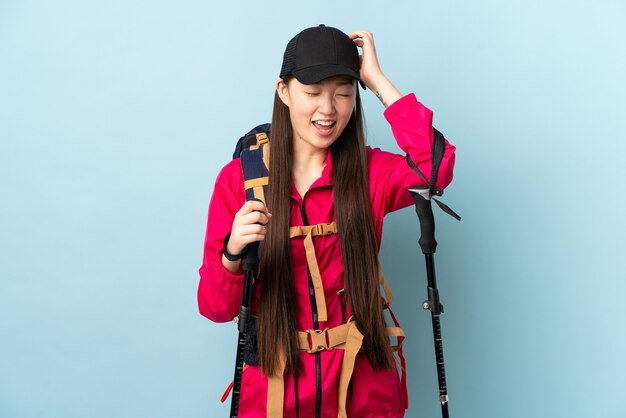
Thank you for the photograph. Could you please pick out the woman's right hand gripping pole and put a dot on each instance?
(249, 225)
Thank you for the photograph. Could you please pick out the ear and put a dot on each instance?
(283, 91)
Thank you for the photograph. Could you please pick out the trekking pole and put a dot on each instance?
(427, 242)
(250, 265)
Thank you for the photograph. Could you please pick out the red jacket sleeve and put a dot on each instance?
(219, 291)
(390, 175)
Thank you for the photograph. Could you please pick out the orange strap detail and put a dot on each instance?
(259, 193)
(257, 187)
(276, 392)
(258, 182)
(309, 231)
(395, 332)
(314, 230)
(261, 139)
(405, 391)
(354, 341)
(316, 277)
(313, 341)
(346, 337)
(385, 285)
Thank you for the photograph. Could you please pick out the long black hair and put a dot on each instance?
(277, 311)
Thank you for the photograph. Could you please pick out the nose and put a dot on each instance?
(327, 104)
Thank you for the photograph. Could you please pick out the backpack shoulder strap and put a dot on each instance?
(253, 150)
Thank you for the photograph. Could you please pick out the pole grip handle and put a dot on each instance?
(424, 210)
(250, 260)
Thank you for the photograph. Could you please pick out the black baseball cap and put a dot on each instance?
(320, 52)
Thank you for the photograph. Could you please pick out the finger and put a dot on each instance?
(263, 218)
(252, 205)
(246, 240)
(358, 34)
(361, 34)
(262, 209)
(254, 218)
(244, 230)
(239, 246)
(244, 234)
(249, 239)
(264, 215)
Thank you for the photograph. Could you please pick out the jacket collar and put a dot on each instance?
(325, 179)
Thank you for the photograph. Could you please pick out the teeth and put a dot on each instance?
(325, 122)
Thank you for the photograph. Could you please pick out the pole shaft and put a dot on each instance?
(234, 404)
(244, 316)
(436, 310)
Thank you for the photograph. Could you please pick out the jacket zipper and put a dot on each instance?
(342, 302)
(318, 359)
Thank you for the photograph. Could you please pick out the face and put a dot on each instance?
(319, 112)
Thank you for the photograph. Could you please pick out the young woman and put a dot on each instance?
(323, 345)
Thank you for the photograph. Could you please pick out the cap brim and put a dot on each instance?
(317, 73)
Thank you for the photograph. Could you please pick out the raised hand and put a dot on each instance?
(370, 72)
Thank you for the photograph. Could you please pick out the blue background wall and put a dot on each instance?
(115, 118)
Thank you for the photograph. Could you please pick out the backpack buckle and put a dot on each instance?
(318, 340)
(325, 229)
